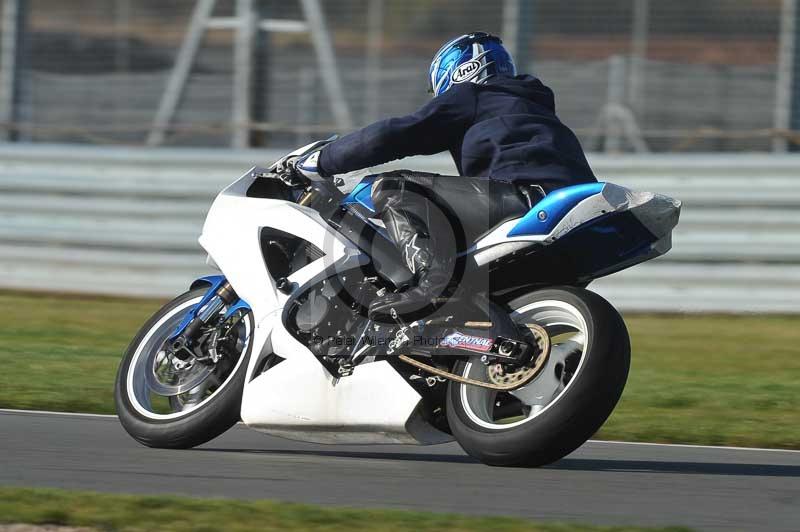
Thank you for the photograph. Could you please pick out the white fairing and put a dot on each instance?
(298, 398)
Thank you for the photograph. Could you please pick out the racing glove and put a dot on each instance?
(308, 166)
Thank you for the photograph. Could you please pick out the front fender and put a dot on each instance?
(208, 280)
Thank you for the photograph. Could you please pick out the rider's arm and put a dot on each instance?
(430, 130)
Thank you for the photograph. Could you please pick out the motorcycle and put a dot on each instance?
(519, 363)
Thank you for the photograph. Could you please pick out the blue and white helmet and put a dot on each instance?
(474, 57)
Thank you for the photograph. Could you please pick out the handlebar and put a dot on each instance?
(322, 194)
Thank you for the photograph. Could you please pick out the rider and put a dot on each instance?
(500, 128)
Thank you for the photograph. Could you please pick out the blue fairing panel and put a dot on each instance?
(362, 194)
(545, 215)
(597, 248)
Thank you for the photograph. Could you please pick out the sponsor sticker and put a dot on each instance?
(464, 341)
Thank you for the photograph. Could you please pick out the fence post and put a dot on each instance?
(176, 82)
(306, 85)
(323, 44)
(373, 61)
(260, 79)
(11, 23)
(122, 46)
(639, 37)
(243, 48)
(517, 22)
(786, 96)
(615, 97)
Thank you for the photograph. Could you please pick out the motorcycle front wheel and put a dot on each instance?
(566, 403)
(162, 402)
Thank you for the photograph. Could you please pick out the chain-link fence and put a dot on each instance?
(699, 75)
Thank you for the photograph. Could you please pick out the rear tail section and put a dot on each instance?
(580, 233)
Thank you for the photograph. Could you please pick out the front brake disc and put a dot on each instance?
(163, 378)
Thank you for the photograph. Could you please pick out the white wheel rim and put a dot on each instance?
(136, 386)
(547, 388)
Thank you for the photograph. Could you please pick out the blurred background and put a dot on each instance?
(630, 75)
(120, 119)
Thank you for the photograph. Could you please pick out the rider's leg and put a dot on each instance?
(430, 218)
(422, 232)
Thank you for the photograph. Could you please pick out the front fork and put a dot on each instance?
(219, 295)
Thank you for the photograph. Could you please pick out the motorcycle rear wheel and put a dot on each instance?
(566, 403)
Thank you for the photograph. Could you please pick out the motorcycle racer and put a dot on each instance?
(520, 366)
(504, 136)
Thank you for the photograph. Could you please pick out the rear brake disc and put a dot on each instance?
(499, 375)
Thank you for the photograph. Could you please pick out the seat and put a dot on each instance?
(477, 205)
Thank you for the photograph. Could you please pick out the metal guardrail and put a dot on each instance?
(125, 221)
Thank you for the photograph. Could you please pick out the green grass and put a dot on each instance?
(719, 380)
(168, 513)
(715, 380)
(61, 353)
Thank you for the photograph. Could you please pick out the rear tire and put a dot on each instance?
(182, 430)
(579, 409)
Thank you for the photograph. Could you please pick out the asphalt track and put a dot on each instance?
(707, 488)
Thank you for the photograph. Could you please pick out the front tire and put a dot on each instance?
(178, 421)
(566, 403)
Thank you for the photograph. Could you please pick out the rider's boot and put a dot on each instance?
(432, 268)
(413, 303)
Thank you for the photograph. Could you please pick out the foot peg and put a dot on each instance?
(401, 338)
(347, 364)
(345, 369)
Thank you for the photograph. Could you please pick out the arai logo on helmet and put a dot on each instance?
(466, 71)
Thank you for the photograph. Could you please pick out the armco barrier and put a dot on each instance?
(126, 221)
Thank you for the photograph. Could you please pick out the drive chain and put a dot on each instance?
(501, 381)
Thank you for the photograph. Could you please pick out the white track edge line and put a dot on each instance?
(609, 442)
(691, 446)
(51, 413)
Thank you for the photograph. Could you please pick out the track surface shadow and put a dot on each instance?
(565, 464)
(413, 457)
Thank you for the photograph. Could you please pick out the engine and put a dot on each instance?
(327, 317)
